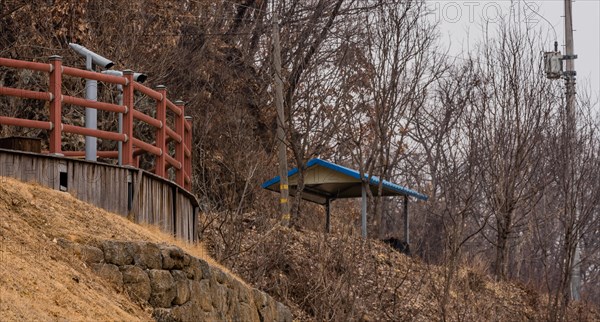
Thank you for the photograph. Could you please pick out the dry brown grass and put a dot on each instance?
(341, 277)
(40, 281)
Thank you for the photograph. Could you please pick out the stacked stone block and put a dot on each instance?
(177, 286)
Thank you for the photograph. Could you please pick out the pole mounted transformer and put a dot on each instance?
(553, 65)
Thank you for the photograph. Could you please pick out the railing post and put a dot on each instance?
(179, 146)
(188, 160)
(128, 101)
(161, 134)
(54, 139)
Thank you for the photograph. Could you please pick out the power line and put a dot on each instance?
(541, 16)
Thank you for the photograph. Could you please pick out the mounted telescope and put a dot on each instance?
(96, 59)
(138, 77)
(91, 93)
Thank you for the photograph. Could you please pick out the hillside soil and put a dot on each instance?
(41, 281)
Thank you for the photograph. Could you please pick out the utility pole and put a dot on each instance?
(571, 122)
(283, 182)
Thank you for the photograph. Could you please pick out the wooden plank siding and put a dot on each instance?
(155, 204)
(29, 169)
(104, 187)
(184, 225)
(158, 202)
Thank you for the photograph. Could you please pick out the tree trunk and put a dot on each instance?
(501, 268)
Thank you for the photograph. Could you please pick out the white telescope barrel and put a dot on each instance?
(96, 59)
(138, 77)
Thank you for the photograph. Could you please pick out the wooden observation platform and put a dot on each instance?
(157, 196)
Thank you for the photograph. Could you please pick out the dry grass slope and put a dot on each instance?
(337, 277)
(341, 277)
(40, 281)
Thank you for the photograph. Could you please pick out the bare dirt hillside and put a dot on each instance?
(41, 281)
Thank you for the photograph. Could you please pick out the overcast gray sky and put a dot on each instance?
(460, 25)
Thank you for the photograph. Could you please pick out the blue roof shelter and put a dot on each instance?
(326, 181)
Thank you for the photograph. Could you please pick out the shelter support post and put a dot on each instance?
(364, 210)
(406, 221)
(328, 215)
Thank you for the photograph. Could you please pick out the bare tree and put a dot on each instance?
(445, 134)
(512, 111)
(397, 67)
(309, 96)
(577, 205)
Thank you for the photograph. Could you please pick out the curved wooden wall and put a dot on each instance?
(134, 193)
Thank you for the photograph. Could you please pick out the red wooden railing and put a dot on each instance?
(132, 147)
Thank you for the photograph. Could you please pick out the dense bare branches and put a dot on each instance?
(513, 105)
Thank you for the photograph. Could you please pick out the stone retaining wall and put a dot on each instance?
(177, 286)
